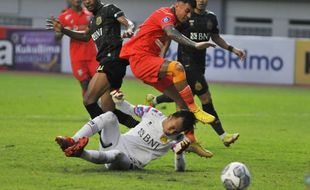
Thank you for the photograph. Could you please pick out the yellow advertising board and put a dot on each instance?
(302, 62)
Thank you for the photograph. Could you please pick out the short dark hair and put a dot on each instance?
(189, 119)
(191, 2)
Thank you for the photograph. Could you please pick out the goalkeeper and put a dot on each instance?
(152, 138)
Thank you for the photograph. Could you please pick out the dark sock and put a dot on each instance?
(163, 98)
(125, 119)
(217, 125)
(94, 110)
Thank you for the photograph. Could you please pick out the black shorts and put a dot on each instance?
(115, 69)
(195, 77)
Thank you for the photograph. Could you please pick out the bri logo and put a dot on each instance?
(222, 58)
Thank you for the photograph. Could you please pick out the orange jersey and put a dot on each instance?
(152, 29)
(78, 22)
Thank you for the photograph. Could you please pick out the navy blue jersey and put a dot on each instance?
(198, 28)
(105, 30)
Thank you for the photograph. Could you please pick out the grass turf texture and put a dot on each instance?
(273, 123)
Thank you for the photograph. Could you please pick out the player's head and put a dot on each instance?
(201, 4)
(74, 3)
(183, 9)
(91, 5)
(178, 122)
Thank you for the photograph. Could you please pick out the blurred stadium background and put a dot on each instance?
(273, 121)
(280, 55)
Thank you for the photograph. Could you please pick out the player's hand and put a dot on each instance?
(54, 24)
(117, 96)
(181, 146)
(204, 45)
(159, 44)
(127, 34)
(240, 53)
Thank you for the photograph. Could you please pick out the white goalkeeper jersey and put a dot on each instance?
(143, 143)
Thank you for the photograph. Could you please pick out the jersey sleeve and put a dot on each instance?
(114, 11)
(142, 111)
(165, 19)
(215, 29)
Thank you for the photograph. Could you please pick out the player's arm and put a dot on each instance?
(175, 35)
(163, 47)
(54, 24)
(216, 38)
(126, 107)
(129, 26)
(58, 36)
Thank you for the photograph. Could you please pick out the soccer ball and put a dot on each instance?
(235, 176)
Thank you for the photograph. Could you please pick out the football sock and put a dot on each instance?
(94, 110)
(222, 136)
(90, 128)
(188, 98)
(162, 99)
(125, 119)
(216, 125)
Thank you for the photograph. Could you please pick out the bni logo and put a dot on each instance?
(307, 63)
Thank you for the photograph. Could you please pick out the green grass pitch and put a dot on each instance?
(273, 123)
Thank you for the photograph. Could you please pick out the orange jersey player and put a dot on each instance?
(144, 52)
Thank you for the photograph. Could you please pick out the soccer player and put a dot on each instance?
(152, 138)
(143, 53)
(201, 26)
(82, 54)
(105, 29)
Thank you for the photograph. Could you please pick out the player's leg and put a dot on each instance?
(97, 87)
(123, 118)
(114, 159)
(176, 71)
(208, 107)
(100, 86)
(80, 72)
(84, 85)
(155, 100)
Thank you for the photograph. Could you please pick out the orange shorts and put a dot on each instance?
(146, 68)
(84, 69)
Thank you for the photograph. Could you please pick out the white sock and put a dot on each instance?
(222, 136)
(154, 101)
(89, 129)
(179, 162)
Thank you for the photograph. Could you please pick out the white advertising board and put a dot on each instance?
(269, 60)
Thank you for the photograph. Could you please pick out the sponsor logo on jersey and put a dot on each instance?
(98, 20)
(97, 34)
(200, 36)
(147, 138)
(166, 19)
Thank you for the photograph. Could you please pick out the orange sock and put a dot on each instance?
(188, 98)
(190, 136)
